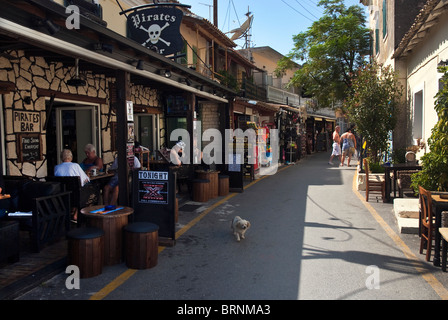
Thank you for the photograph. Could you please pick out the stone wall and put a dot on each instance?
(32, 73)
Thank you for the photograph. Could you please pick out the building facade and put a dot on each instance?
(411, 37)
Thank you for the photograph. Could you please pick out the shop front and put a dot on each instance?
(258, 116)
(65, 88)
(293, 141)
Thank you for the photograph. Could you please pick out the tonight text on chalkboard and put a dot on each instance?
(152, 175)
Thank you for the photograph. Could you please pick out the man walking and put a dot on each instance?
(336, 145)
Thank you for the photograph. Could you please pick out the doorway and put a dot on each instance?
(146, 128)
(71, 126)
(2, 138)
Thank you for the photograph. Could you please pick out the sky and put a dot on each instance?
(274, 24)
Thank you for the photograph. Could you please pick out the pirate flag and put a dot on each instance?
(157, 29)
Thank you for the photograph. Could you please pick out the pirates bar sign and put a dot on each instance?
(157, 29)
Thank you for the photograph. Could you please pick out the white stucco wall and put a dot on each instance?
(422, 75)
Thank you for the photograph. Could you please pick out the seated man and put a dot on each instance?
(110, 191)
(71, 169)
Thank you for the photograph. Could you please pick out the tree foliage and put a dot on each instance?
(434, 175)
(372, 104)
(332, 48)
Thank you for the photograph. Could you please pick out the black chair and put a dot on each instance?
(48, 204)
(81, 196)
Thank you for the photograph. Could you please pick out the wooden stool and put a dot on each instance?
(201, 190)
(141, 245)
(213, 189)
(86, 250)
(223, 185)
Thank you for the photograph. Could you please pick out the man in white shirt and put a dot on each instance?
(70, 169)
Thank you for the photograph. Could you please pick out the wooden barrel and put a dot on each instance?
(201, 190)
(214, 185)
(141, 245)
(112, 223)
(223, 185)
(86, 250)
(213, 177)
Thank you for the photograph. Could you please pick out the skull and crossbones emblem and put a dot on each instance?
(154, 32)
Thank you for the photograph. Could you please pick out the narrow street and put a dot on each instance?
(312, 236)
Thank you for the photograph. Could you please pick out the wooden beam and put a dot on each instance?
(69, 96)
(7, 87)
(123, 95)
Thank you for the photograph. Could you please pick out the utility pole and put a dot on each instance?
(215, 13)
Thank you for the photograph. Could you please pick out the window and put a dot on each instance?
(376, 34)
(377, 41)
(195, 56)
(417, 131)
(183, 60)
(384, 18)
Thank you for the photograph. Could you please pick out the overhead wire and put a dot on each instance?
(306, 9)
(297, 11)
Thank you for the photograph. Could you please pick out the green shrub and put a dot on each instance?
(434, 174)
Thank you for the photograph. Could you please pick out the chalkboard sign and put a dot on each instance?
(29, 147)
(154, 194)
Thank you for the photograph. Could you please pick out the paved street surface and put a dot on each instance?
(312, 237)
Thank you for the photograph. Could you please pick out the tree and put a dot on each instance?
(371, 106)
(434, 173)
(332, 48)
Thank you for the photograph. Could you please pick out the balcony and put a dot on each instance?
(252, 91)
(282, 96)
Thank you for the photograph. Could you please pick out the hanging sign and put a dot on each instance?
(157, 29)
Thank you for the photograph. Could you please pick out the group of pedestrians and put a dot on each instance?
(348, 140)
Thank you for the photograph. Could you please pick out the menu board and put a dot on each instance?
(154, 197)
(29, 147)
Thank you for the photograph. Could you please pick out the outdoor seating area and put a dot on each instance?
(41, 208)
(422, 213)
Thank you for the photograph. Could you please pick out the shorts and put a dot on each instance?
(336, 149)
(348, 151)
(113, 182)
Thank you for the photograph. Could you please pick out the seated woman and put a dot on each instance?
(92, 161)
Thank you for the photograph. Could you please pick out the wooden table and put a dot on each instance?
(438, 205)
(395, 167)
(102, 176)
(112, 223)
